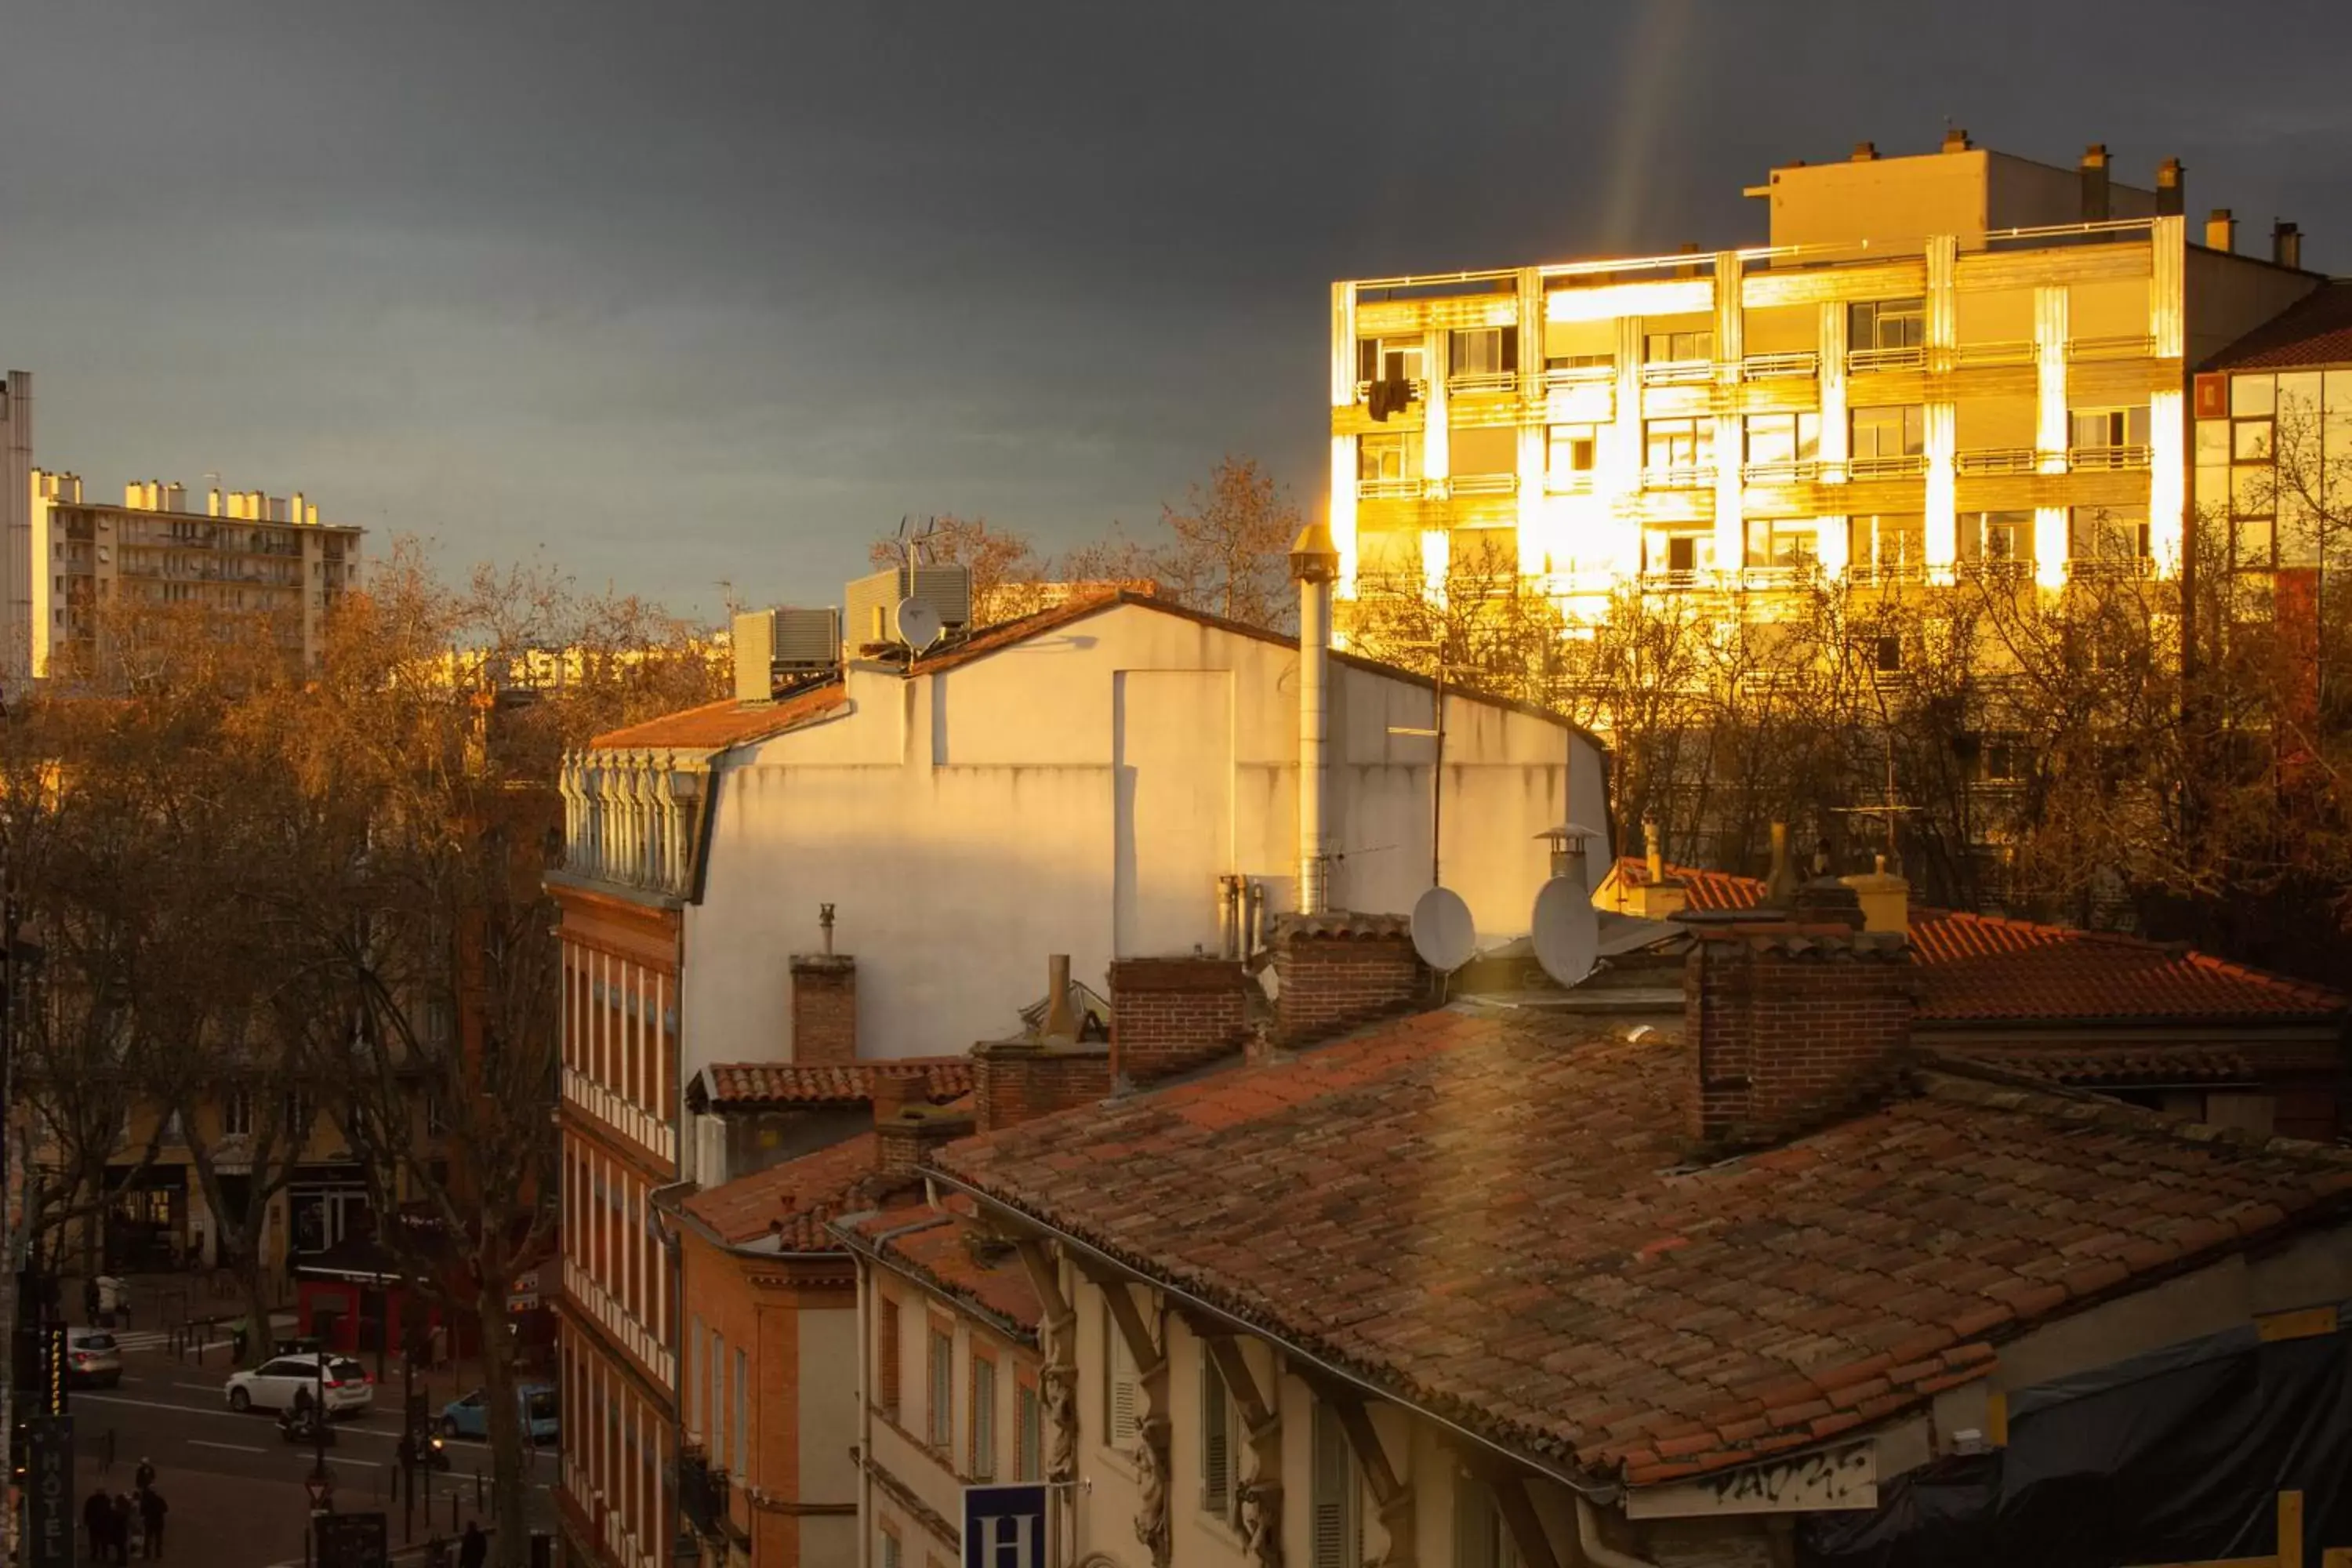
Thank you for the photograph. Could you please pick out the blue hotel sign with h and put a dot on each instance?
(1004, 1527)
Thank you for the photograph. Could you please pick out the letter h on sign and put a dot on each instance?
(1004, 1527)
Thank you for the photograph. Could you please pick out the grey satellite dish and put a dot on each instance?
(1566, 930)
(1442, 932)
(919, 623)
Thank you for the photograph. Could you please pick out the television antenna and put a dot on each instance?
(1443, 933)
(1888, 810)
(1567, 934)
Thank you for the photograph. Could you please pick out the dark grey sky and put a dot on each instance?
(682, 293)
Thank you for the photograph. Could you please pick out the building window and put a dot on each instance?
(983, 1418)
(1680, 557)
(1781, 543)
(742, 1414)
(1887, 655)
(237, 1114)
(1481, 1540)
(717, 1361)
(694, 1382)
(1783, 445)
(1996, 539)
(1678, 348)
(1030, 1440)
(1890, 438)
(1392, 458)
(2109, 437)
(1677, 452)
(1877, 326)
(1886, 547)
(1389, 359)
(1572, 449)
(2106, 536)
(893, 1553)
(885, 1371)
(941, 1364)
(1120, 1396)
(1484, 350)
(1217, 1441)
(1335, 1497)
(2006, 760)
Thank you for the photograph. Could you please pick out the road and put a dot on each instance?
(236, 1488)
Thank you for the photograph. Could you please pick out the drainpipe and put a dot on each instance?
(1596, 1552)
(1314, 564)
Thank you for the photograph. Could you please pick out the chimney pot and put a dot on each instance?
(1885, 898)
(2220, 230)
(1061, 1026)
(2286, 245)
(1780, 883)
(2170, 188)
(1955, 140)
(1864, 152)
(2097, 202)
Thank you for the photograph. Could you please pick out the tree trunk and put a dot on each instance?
(260, 1340)
(511, 1460)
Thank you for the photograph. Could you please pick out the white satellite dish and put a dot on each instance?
(919, 623)
(1566, 930)
(1442, 932)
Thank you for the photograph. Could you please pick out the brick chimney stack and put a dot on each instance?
(1017, 1080)
(1334, 972)
(2097, 202)
(1171, 1015)
(1789, 1020)
(824, 1003)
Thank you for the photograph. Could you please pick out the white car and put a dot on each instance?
(292, 1382)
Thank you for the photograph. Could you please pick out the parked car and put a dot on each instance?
(470, 1417)
(93, 1359)
(290, 1382)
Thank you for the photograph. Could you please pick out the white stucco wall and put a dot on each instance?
(1080, 793)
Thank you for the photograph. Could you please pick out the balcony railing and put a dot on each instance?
(1569, 483)
(1676, 372)
(1678, 582)
(1900, 466)
(702, 1495)
(1794, 471)
(1998, 460)
(2088, 459)
(1882, 574)
(1484, 484)
(1996, 574)
(2012, 350)
(1859, 361)
(1776, 367)
(1481, 381)
(1678, 476)
(1764, 579)
(1388, 490)
(1578, 374)
(2110, 348)
(2111, 567)
(1420, 390)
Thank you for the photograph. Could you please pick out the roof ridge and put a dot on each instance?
(1970, 1080)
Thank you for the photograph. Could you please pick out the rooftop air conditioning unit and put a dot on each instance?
(873, 601)
(782, 641)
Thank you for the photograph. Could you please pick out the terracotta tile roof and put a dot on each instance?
(745, 1084)
(792, 1200)
(1484, 1216)
(726, 723)
(2157, 1064)
(2316, 330)
(948, 1253)
(1985, 968)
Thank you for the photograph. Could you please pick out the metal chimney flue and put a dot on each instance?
(2096, 201)
(824, 925)
(2286, 245)
(1061, 1026)
(2220, 230)
(2171, 188)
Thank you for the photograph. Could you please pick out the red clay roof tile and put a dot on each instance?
(792, 1200)
(1457, 1207)
(741, 1085)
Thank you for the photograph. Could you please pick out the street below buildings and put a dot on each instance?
(235, 1488)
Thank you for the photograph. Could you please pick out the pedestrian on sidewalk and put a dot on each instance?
(97, 1518)
(152, 1510)
(90, 1301)
(474, 1548)
(120, 1534)
(146, 1476)
(105, 1455)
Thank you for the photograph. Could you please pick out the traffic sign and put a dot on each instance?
(320, 1484)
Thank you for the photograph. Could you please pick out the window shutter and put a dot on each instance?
(1122, 1412)
(1335, 1539)
(1368, 359)
(1217, 1441)
(1118, 1416)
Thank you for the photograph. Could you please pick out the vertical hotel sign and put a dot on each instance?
(48, 1492)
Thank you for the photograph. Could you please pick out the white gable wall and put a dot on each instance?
(1080, 793)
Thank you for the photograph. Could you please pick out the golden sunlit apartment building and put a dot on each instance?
(245, 552)
(1940, 364)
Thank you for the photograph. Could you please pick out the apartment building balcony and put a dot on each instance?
(1997, 461)
(2110, 568)
(2081, 349)
(1780, 367)
(1388, 490)
(1420, 390)
(1862, 362)
(1773, 579)
(1678, 372)
(1676, 582)
(2012, 350)
(1569, 482)
(590, 1298)
(1482, 382)
(1884, 574)
(1474, 485)
(648, 1130)
(1561, 376)
(2094, 460)
(1678, 477)
(1901, 466)
(1798, 471)
(2008, 574)
(702, 1494)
